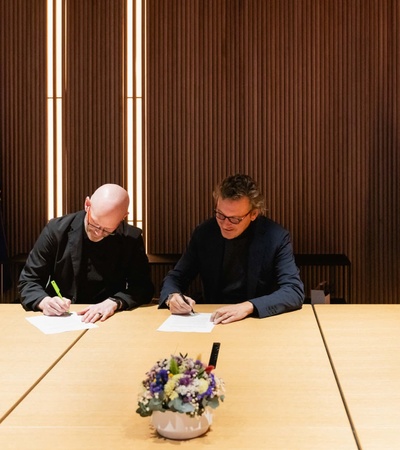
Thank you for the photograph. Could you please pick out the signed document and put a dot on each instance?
(198, 323)
(59, 324)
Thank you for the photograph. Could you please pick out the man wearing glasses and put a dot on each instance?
(244, 260)
(94, 257)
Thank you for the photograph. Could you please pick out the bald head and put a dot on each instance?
(110, 199)
(108, 205)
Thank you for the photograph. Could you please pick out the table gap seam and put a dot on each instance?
(353, 429)
(7, 413)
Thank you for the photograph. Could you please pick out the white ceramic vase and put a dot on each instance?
(175, 425)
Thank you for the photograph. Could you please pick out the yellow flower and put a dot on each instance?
(173, 395)
(170, 386)
(203, 386)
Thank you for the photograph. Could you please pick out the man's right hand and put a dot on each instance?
(177, 305)
(54, 306)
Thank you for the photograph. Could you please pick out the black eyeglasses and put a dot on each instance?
(96, 228)
(232, 219)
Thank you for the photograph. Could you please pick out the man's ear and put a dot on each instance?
(254, 214)
(87, 203)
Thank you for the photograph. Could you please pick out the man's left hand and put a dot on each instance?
(100, 311)
(232, 313)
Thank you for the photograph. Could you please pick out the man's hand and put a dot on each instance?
(232, 313)
(177, 305)
(100, 311)
(54, 306)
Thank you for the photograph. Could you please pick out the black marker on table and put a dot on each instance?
(214, 354)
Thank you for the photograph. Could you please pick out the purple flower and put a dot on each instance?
(185, 381)
(158, 384)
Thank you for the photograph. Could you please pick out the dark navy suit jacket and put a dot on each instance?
(57, 256)
(273, 281)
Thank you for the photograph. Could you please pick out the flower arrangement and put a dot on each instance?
(180, 384)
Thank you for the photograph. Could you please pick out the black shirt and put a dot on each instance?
(94, 270)
(233, 283)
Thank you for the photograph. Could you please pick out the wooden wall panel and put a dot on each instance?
(304, 96)
(93, 109)
(94, 106)
(23, 120)
(94, 124)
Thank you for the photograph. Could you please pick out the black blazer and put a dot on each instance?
(56, 255)
(273, 281)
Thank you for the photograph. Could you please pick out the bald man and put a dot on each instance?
(94, 257)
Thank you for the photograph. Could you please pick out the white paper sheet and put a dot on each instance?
(198, 323)
(59, 324)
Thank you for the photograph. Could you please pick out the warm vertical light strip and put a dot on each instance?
(138, 53)
(139, 111)
(130, 164)
(59, 165)
(58, 41)
(50, 112)
(134, 89)
(54, 109)
(49, 48)
(139, 164)
(50, 159)
(59, 75)
(129, 100)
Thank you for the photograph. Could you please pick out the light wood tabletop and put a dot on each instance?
(364, 344)
(26, 354)
(281, 392)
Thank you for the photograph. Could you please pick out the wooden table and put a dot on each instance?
(364, 344)
(281, 391)
(26, 355)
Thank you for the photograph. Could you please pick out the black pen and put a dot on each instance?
(192, 313)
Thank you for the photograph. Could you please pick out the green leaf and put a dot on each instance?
(214, 402)
(200, 373)
(155, 404)
(173, 366)
(178, 405)
(143, 412)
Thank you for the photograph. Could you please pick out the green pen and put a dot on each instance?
(57, 289)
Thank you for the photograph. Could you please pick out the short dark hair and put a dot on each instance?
(237, 186)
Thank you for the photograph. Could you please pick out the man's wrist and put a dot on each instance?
(169, 299)
(119, 303)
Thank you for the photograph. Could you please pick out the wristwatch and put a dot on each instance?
(118, 301)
